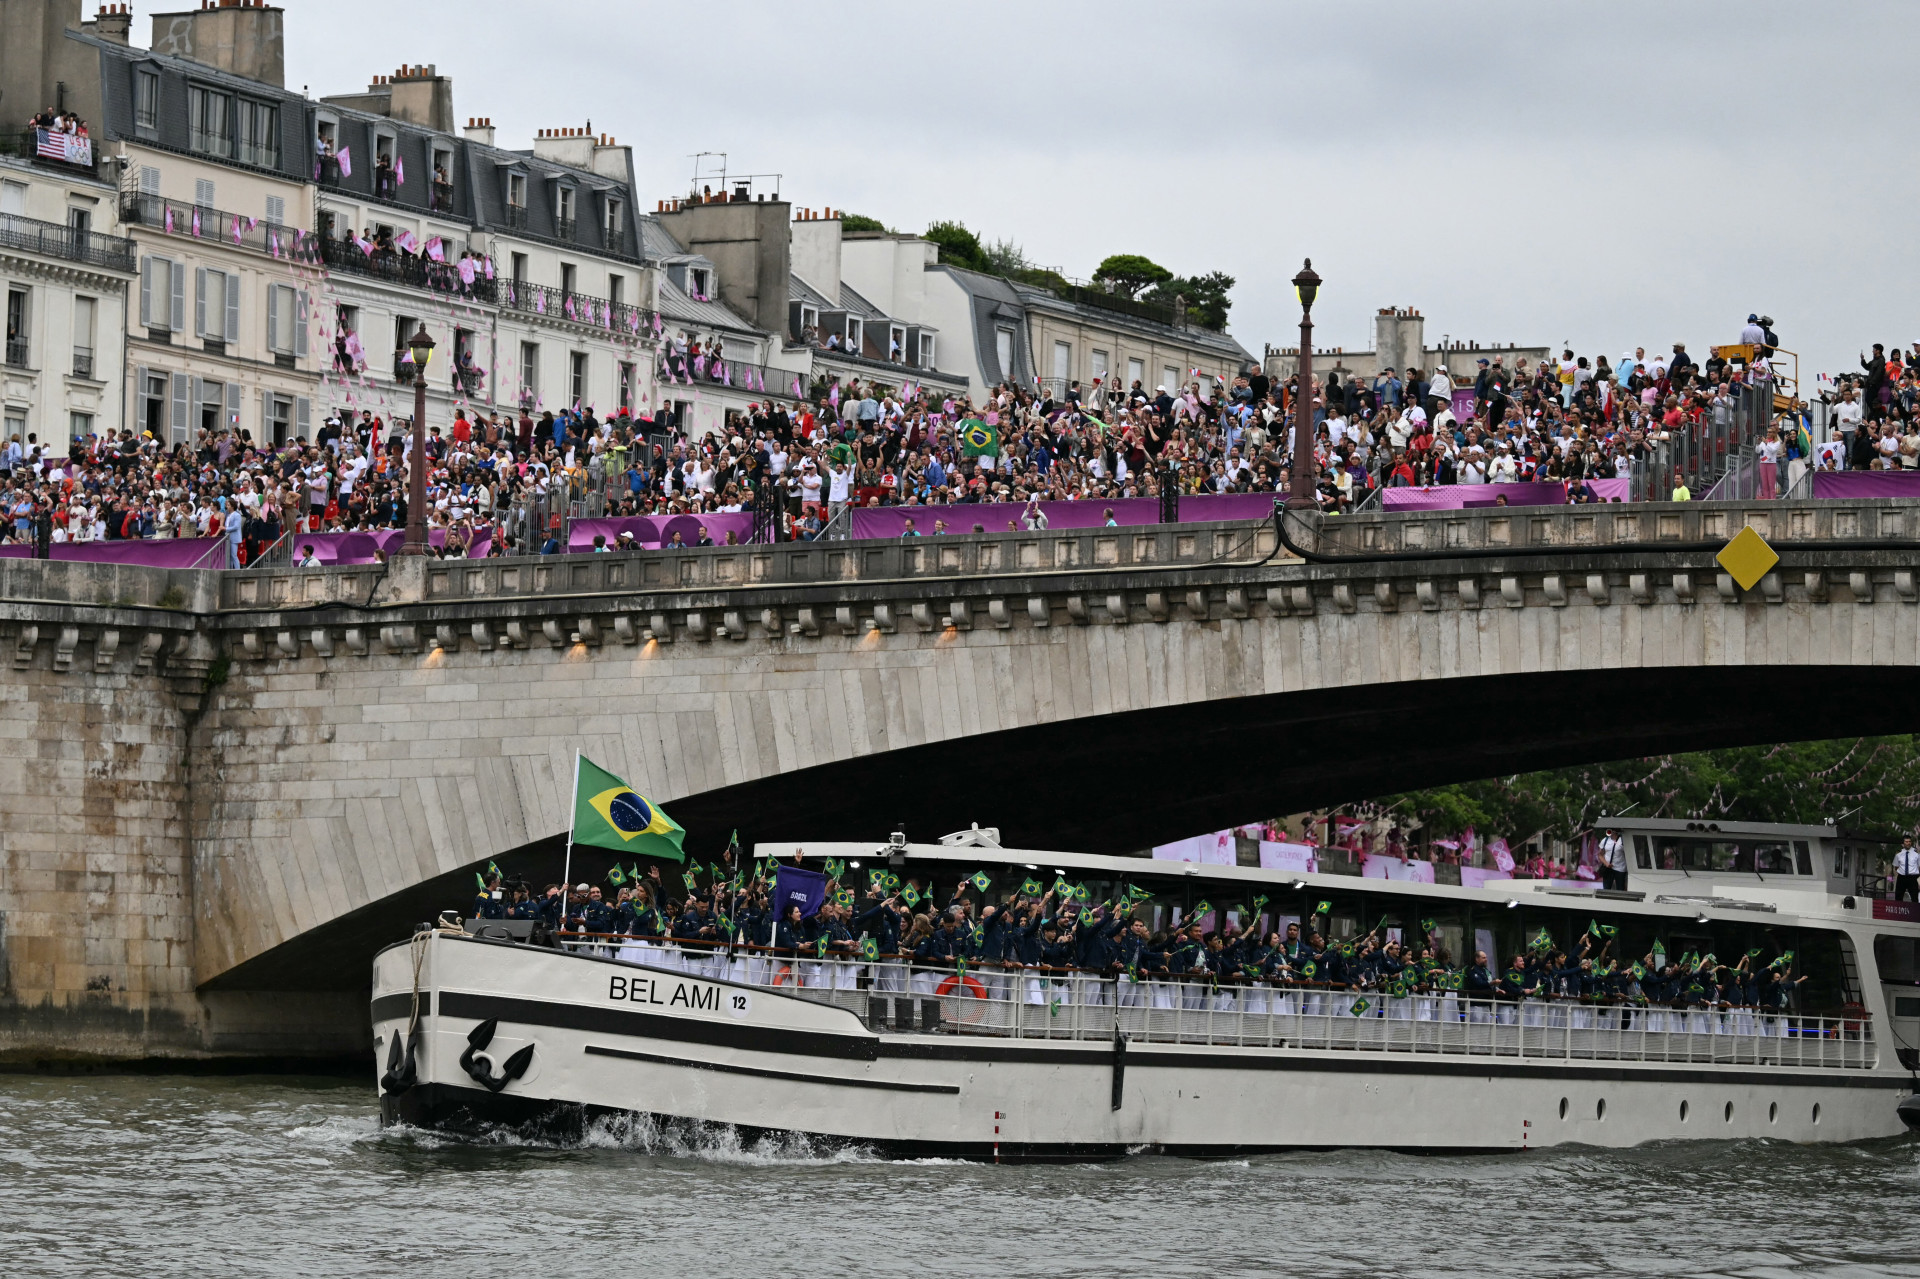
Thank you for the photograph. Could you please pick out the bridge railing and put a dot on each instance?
(1042, 1003)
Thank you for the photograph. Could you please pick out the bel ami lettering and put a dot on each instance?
(684, 994)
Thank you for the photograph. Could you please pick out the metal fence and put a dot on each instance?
(51, 239)
(1024, 1003)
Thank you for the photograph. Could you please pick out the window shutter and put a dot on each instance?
(276, 210)
(233, 405)
(177, 422)
(300, 325)
(273, 317)
(146, 293)
(233, 306)
(177, 284)
(196, 400)
(301, 408)
(140, 402)
(149, 180)
(199, 301)
(203, 193)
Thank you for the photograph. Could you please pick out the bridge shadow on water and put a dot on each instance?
(1121, 783)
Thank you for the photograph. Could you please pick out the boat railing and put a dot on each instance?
(1017, 1002)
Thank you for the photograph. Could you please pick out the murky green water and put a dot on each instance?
(216, 1177)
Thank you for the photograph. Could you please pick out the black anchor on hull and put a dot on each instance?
(481, 1068)
(401, 1072)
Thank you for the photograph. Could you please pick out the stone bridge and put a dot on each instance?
(223, 790)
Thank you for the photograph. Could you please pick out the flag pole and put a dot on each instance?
(566, 874)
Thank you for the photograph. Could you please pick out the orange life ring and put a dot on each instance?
(955, 981)
(785, 975)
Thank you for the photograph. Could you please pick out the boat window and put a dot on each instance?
(1803, 857)
(1897, 958)
(1642, 852)
(1772, 859)
(1723, 855)
(1842, 858)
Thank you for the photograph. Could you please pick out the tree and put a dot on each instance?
(1205, 296)
(959, 246)
(856, 223)
(1129, 273)
(1042, 278)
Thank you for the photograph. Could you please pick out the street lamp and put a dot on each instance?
(415, 543)
(1300, 486)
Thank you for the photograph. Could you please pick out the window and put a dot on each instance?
(1170, 378)
(569, 277)
(926, 351)
(286, 322)
(216, 305)
(853, 336)
(146, 104)
(517, 190)
(896, 342)
(84, 312)
(150, 389)
(1898, 959)
(404, 327)
(79, 426)
(149, 185)
(697, 279)
(519, 268)
(16, 425)
(79, 224)
(1099, 365)
(276, 211)
(1136, 372)
(627, 386)
(215, 405)
(203, 192)
(1062, 361)
(563, 212)
(13, 199)
(277, 412)
(259, 133)
(577, 378)
(210, 122)
(529, 373)
(1003, 351)
(616, 288)
(19, 314)
(615, 229)
(809, 317)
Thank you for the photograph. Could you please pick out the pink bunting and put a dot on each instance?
(400, 170)
(466, 271)
(346, 162)
(196, 223)
(169, 220)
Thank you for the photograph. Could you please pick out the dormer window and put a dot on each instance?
(517, 199)
(563, 207)
(614, 232)
(853, 336)
(698, 281)
(146, 101)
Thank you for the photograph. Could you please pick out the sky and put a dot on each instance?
(1619, 175)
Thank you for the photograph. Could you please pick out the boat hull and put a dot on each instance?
(610, 1038)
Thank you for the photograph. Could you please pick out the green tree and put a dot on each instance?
(959, 246)
(1205, 296)
(855, 223)
(1130, 272)
(1042, 278)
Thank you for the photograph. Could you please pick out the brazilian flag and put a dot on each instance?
(608, 813)
(1359, 1008)
(977, 438)
(1031, 888)
(910, 895)
(820, 946)
(616, 876)
(869, 950)
(980, 880)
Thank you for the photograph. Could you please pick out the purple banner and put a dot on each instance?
(1210, 508)
(162, 552)
(1615, 490)
(1845, 484)
(793, 886)
(360, 548)
(651, 532)
(1463, 402)
(1454, 497)
(996, 517)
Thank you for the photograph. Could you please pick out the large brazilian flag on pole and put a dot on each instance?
(608, 813)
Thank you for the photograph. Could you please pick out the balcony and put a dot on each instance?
(402, 269)
(71, 149)
(83, 362)
(574, 308)
(517, 216)
(16, 353)
(564, 229)
(615, 240)
(219, 226)
(50, 239)
(441, 198)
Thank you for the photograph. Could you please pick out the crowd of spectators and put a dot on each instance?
(516, 475)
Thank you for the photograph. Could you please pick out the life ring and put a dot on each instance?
(785, 975)
(956, 980)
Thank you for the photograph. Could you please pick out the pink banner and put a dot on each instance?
(994, 517)
(1207, 850)
(1295, 857)
(1862, 484)
(1476, 877)
(1454, 497)
(360, 548)
(1501, 854)
(164, 552)
(1379, 866)
(651, 532)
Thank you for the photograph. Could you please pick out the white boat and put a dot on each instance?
(474, 1027)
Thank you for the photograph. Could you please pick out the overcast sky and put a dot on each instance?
(1614, 175)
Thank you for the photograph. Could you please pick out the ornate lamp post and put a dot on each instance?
(415, 542)
(1300, 495)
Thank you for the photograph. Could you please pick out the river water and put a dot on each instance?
(171, 1176)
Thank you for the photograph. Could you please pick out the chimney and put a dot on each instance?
(422, 96)
(115, 22)
(480, 129)
(246, 38)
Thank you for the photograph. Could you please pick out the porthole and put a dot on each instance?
(1773, 1112)
(1816, 1112)
(1729, 1112)
(1600, 1109)
(1684, 1108)
(1563, 1107)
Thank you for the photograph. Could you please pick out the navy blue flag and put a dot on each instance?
(793, 886)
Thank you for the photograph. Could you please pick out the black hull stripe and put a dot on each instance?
(692, 1030)
(596, 1050)
(393, 1007)
(1140, 1056)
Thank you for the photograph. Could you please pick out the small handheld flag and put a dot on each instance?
(980, 880)
(616, 876)
(481, 880)
(869, 950)
(1359, 1008)
(1323, 908)
(1031, 888)
(820, 946)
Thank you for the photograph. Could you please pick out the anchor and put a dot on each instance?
(481, 1067)
(401, 1073)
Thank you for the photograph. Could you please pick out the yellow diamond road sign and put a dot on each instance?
(1747, 558)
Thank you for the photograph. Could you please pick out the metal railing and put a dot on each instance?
(441, 200)
(404, 269)
(1034, 1003)
(17, 353)
(51, 239)
(83, 362)
(220, 226)
(673, 369)
(575, 308)
(564, 228)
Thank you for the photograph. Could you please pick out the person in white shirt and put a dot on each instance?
(1504, 469)
(1906, 872)
(307, 558)
(1613, 861)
